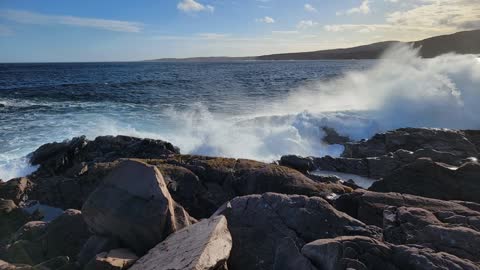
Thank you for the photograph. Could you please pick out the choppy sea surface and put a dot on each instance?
(259, 110)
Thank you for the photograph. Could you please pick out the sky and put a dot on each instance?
(125, 30)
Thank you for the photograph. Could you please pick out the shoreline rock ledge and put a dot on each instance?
(146, 206)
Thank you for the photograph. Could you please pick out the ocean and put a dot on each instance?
(258, 110)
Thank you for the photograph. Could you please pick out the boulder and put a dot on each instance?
(369, 206)
(261, 225)
(65, 235)
(344, 165)
(332, 136)
(116, 259)
(15, 189)
(11, 219)
(133, 205)
(298, 163)
(96, 244)
(427, 178)
(35, 243)
(408, 225)
(205, 245)
(362, 253)
(30, 231)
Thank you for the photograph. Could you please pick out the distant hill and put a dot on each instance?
(467, 42)
(462, 42)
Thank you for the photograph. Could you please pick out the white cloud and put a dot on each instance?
(309, 8)
(27, 17)
(306, 24)
(194, 6)
(442, 14)
(266, 19)
(364, 8)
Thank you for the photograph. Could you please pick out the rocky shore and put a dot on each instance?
(129, 203)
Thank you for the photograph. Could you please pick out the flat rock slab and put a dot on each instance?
(204, 245)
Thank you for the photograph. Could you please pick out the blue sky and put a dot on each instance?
(115, 30)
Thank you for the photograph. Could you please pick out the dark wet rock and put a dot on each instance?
(71, 189)
(187, 189)
(345, 165)
(117, 259)
(376, 167)
(407, 225)
(96, 244)
(368, 207)
(434, 180)
(298, 163)
(31, 231)
(204, 245)
(15, 189)
(260, 224)
(362, 253)
(11, 219)
(200, 184)
(222, 179)
(56, 263)
(134, 205)
(55, 158)
(332, 136)
(64, 236)
(455, 142)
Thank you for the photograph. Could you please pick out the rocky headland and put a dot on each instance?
(129, 203)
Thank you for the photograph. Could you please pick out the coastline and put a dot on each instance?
(225, 196)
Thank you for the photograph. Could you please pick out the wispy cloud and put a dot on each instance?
(28, 17)
(194, 6)
(266, 19)
(309, 8)
(306, 24)
(364, 8)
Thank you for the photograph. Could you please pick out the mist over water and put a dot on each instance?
(251, 110)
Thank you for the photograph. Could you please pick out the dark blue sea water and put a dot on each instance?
(40, 103)
(257, 110)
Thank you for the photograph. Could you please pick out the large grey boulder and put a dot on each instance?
(205, 245)
(269, 230)
(133, 205)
